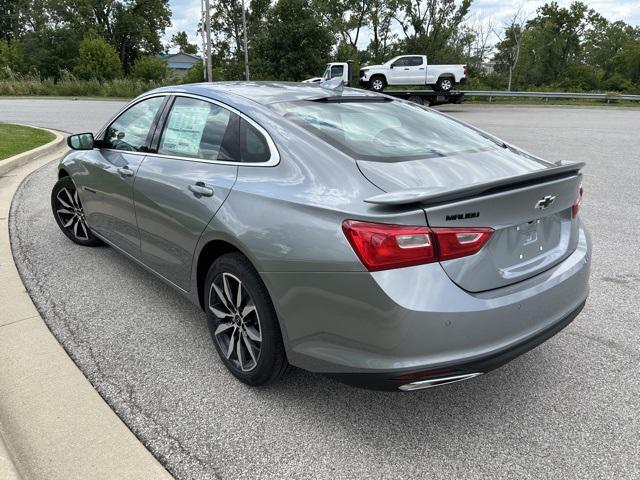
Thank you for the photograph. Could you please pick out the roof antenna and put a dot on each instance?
(335, 85)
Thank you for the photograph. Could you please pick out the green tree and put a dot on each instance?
(553, 40)
(10, 55)
(132, 27)
(180, 40)
(345, 18)
(508, 48)
(295, 46)
(627, 61)
(430, 26)
(150, 69)
(380, 19)
(97, 59)
(50, 50)
(606, 41)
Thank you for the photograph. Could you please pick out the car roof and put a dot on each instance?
(266, 92)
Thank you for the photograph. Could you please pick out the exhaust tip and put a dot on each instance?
(436, 382)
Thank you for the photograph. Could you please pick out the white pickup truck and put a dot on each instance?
(412, 70)
(343, 71)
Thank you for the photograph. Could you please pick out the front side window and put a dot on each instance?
(130, 130)
(199, 129)
(384, 130)
(337, 71)
(401, 62)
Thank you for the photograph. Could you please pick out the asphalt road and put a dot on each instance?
(73, 116)
(568, 409)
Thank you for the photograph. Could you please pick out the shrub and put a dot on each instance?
(617, 83)
(97, 60)
(195, 74)
(150, 69)
(10, 55)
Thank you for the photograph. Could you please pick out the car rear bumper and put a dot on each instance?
(366, 328)
(453, 372)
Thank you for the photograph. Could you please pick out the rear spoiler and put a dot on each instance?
(436, 195)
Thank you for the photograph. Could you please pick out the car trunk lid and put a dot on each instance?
(527, 203)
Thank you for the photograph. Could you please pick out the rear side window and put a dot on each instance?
(415, 61)
(130, 130)
(384, 131)
(199, 129)
(253, 145)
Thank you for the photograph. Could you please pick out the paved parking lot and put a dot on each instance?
(567, 409)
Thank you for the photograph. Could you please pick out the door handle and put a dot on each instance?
(125, 171)
(406, 69)
(201, 190)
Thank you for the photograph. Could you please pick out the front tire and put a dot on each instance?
(243, 322)
(377, 83)
(69, 214)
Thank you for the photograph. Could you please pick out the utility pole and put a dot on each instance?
(207, 23)
(246, 52)
(204, 43)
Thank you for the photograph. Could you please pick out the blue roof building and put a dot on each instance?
(180, 62)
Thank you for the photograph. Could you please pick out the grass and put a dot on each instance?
(15, 139)
(552, 101)
(14, 84)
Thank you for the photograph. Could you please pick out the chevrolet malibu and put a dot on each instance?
(337, 230)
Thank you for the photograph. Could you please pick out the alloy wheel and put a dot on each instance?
(238, 332)
(70, 213)
(377, 84)
(445, 84)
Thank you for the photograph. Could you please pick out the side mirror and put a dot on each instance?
(391, 66)
(81, 141)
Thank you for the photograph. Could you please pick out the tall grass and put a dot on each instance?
(18, 84)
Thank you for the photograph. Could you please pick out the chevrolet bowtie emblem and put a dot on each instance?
(544, 202)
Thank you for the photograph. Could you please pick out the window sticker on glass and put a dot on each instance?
(184, 132)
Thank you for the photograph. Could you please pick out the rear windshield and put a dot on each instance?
(384, 130)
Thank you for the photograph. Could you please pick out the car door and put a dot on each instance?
(106, 184)
(400, 74)
(180, 188)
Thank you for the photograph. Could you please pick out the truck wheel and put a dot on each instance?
(377, 83)
(445, 84)
(415, 99)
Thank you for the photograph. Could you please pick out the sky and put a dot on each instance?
(186, 13)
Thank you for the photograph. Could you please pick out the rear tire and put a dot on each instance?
(377, 83)
(69, 214)
(242, 321)
(445, 84)
(416, 99)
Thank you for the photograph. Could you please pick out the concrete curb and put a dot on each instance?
(53, 424)
(21, 159)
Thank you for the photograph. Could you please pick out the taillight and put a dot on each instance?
(381, 246)
(465, 70)
(460, 242)
(576, 205)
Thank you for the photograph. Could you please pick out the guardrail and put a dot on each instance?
(547, 95)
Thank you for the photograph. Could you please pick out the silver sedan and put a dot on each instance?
(336, 230)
